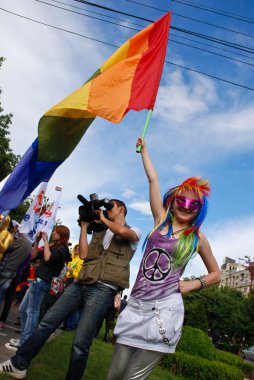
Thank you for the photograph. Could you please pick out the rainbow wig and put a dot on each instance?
(188, 239)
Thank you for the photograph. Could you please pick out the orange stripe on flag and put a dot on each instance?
(131, 83)
(114, 88)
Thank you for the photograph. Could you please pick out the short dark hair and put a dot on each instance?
(120, 204)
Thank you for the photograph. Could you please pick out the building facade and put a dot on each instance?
(235, 276)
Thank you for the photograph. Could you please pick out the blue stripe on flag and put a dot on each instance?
(25, 177)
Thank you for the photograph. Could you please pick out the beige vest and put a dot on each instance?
(110, 265)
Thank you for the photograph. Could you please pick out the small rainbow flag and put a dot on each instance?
(129, 79)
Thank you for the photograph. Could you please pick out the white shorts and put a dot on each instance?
(151, 325)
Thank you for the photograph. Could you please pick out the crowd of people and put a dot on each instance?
(149, 324)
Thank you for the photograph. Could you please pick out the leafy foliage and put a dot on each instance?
(197, 358)
(19, 212)
(7, 158)
(226, 357)
(195, 367)
(225, 310)
(196, 342)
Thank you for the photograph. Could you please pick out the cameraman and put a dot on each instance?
(105, 271)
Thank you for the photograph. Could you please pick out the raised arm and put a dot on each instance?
(83, 243)
(46, 251)
(35, 247)
(118, 229)
(154, 186)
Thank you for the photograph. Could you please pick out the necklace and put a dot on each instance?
(177, 232)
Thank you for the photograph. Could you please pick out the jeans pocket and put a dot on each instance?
(40, 286)
(128, 323)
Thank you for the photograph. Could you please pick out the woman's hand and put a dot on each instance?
(44, 236)
(141, 142)
(189, 286)
(38, 237)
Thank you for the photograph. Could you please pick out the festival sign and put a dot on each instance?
(29, 223)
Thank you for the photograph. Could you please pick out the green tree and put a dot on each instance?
(226, 310)
(249, 305)
(195, 315)
(8, 160)
(19, 212)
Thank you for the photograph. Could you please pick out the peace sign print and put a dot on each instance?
(156, 265)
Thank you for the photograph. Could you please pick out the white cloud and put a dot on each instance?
(232, 129)
(229, 238)
(128, 193)
(141, 206)
(232, 238)
(180, 103)
(192, 124)
(182, 169)
(43, 65)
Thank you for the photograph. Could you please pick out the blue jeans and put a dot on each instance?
(72, 321)
(95, 300)
(29, 310)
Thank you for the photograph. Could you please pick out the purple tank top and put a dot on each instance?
(157, 276)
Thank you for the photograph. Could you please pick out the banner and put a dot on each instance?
(47, 220)
(29, 223)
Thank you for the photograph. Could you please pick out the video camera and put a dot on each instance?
(87, 211)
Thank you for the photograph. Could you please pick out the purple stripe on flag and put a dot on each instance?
(25, 177)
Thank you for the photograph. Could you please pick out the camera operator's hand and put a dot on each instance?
(84, 223)
(101, 215)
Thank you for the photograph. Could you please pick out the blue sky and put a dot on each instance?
(200, 126)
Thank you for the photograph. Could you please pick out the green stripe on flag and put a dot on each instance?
(58, 136)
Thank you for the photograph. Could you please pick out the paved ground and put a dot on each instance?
(9, 331)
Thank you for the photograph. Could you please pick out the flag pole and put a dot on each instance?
(138, 149)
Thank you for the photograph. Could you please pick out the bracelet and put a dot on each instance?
(202, 282)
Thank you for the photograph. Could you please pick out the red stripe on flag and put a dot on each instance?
(148, 73)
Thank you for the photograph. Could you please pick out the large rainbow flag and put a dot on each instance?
(129, 79)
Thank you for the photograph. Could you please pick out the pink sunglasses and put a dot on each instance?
(192, 204)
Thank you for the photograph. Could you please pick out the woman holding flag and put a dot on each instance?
(151, 323)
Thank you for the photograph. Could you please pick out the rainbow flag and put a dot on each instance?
(129, 79)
